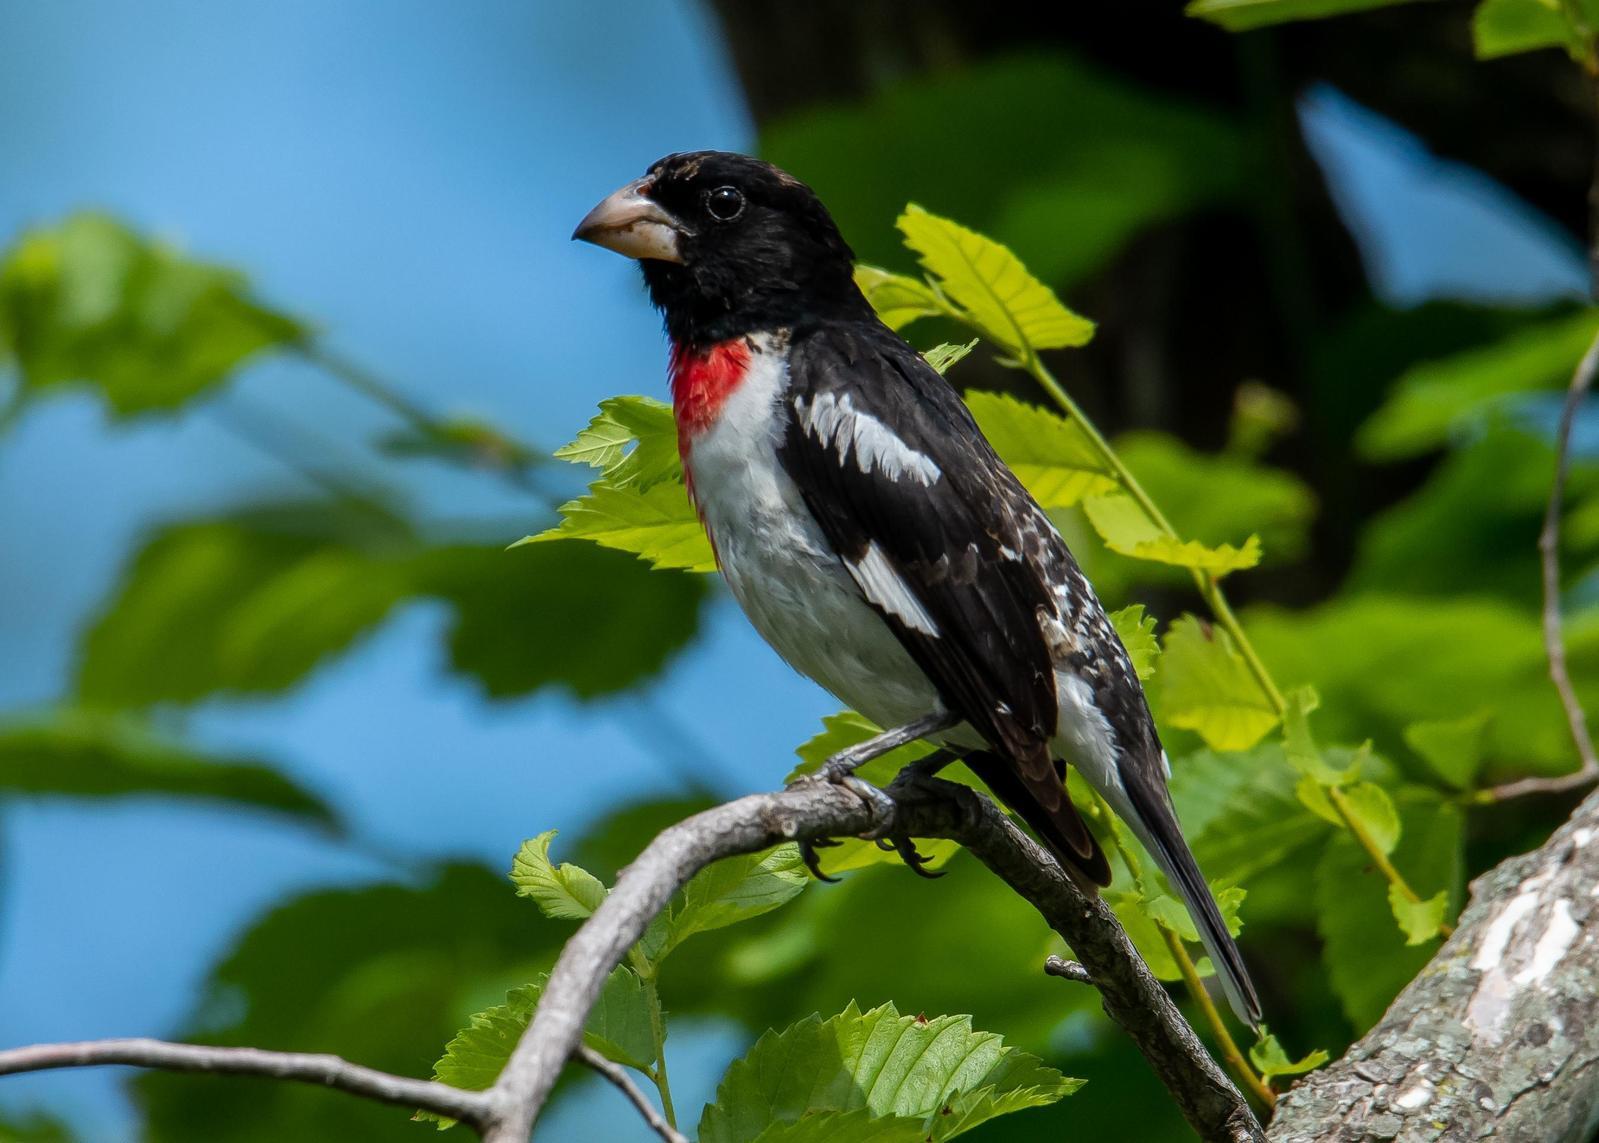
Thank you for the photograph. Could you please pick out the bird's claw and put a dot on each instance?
(912, 857)
(813, 860)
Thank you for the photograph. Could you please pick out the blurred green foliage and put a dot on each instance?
(1406, 691)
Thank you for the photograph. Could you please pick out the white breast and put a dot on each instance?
(787, 579)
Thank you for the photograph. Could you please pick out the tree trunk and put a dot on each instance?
(1498, 1036)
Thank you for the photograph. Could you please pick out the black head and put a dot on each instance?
(729, 245)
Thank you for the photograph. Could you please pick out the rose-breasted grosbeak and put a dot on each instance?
(868, 529)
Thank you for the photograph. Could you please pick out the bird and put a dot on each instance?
(870, 532)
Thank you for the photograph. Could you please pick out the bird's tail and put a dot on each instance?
(1150, 815)
(1048, 812)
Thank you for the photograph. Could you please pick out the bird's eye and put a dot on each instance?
(724, 203)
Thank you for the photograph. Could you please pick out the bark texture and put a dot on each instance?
(1498, 1036)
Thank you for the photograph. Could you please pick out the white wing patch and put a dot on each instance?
(881, 584)
(834, 421)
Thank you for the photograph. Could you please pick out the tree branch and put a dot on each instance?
(922, 807)
(617, 1074)
(471, 1107)
(1498, 1035)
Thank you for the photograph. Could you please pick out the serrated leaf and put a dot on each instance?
(858, 1126)
(1300, 744)
(1170, 913)
(1243, 15)
(1313, 796)
(999, 297)
(82, 754)
(567, 891)
(1366, 955)
(1271, 1060)
(736, 889)
(632, 440)
(618, 1028)
(1420, 921)
(1451, 748)
(1136, 629)
(658, 524)
(897, 298)
(1370, 807)
(943, 357)
(91, 301)
(1124, 527)
(1240, 811)
(1207, 688)
(885, 1064)
(1507, 27)
(1051, 455)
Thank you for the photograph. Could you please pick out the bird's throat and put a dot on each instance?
(702, 379)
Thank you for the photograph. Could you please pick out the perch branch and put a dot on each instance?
(923, 807)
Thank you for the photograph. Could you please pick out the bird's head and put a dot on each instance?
(729, 245)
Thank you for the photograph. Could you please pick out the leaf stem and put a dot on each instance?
(1235, 1058)
(652, 1004)
(1378, 857)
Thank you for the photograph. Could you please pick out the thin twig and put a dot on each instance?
(1554, 641)
(618, 1076)
(471, 1107)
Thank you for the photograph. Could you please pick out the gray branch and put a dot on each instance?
(924, 807)
(471, 1107)
(1498, 1037)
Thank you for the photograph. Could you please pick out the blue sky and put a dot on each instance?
(406, 175)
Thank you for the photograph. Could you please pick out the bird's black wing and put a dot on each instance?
(942, 540)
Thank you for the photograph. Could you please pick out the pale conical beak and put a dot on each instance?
(632, 223)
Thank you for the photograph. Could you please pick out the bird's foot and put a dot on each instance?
(910, 855)
(877, 802)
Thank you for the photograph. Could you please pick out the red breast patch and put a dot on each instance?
(702, 380)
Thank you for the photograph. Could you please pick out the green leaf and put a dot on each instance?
(475, 1057)
(618, 1028)
(1429, 402)
(247, 604)
(1124, 527)
(1313, 796)
(80, 754)
(576, 616)
(943, 357)
(1136, 630)
(1301, 746)
(898, 298)
(858, 1126)
(1271, 1061)
(1051, 455)
(1217, 498)
(885, 1064)
(736, 889)
(1507, 27)
(564, 890)
(1452, 748)
(1367, 956)
(1420, 921)
(91, 301)
(1240, 811)
(999, 297)
(632, 440)
(1206, 687)
(1369, 805)
(1244, 15)
(1170, 913)
(658, 523)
